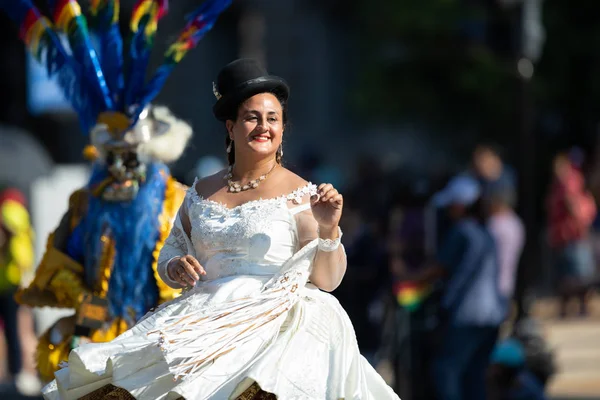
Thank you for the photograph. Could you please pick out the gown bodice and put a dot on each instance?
(253, 239)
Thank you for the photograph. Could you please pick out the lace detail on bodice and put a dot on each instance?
(253, 238)
(295, 197)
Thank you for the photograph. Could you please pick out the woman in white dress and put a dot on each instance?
(251, 247)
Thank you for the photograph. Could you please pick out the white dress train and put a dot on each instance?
(252, 318)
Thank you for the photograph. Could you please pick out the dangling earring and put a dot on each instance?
(280, 151)
(229, 147)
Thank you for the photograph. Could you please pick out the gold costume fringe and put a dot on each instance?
(48, 356)
(59, 279)
(174, 196)
(108, 392)
(111, 392)
(254, 392)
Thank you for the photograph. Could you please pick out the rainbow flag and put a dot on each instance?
(410, 295)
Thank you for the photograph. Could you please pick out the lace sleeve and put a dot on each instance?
(178, 244)
(329, 264)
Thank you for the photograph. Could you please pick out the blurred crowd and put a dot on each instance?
(433, 269)
(430, 285)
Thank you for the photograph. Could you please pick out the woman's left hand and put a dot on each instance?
(327, 206)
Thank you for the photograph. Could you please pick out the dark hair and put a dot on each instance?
(491, 148)
(562, 156)
(233, 116)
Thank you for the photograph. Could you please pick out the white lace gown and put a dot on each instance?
(252, 318)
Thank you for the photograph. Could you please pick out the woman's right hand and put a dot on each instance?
(185, 270)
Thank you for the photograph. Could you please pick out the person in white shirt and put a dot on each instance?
(508, 232)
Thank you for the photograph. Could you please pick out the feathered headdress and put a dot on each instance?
(91, 72)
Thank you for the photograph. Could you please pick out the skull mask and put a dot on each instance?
(118, 144)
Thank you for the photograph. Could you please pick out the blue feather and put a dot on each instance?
(134, 226)
(111, 50)
(83, 51)
(106, 31)
(53, 55)
(140, 50)
(139, 56)
(152, 89)
(200, 21)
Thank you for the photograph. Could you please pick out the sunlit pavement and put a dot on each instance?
(577, 345)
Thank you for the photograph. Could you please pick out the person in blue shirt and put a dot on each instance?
(471, 306)
(508, 377)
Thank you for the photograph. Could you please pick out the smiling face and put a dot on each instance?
(258, 130)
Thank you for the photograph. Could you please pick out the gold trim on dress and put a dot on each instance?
(57, 281)
(112, 392)
(49, 355)
(254, 392)
(108, 392)
(107, 260)
(174, 195)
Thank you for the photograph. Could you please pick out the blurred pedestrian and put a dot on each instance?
(508, 376)
(471, 306)
(16, 258)
(508, 232)
(571, 212)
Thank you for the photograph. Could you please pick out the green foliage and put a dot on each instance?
(418, 64)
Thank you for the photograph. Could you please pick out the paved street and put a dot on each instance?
(577, 342)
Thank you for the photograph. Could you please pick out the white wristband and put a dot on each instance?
(167, 277)
(329, 245)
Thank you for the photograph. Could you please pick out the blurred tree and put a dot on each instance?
(440, 61)
(568, 84)
(452, 62)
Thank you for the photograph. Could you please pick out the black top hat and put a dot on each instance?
(240, 80)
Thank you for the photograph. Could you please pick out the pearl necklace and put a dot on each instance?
(236, 187)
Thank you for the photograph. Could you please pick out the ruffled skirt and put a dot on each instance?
(294, 347)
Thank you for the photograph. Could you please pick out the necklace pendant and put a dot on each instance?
(236, 187)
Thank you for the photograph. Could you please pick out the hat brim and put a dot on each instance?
(267, 84)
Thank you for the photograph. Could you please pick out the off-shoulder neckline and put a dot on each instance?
(295, 196)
